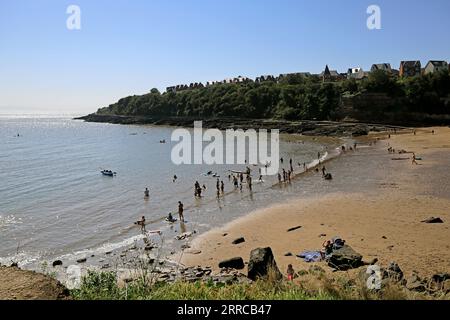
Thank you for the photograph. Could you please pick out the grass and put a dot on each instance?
(103, 286)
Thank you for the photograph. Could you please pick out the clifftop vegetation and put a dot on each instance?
(294, 97)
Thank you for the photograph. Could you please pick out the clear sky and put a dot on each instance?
(127, 47)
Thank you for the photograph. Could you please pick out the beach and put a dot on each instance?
(381, 218)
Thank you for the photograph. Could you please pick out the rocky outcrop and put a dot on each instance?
(233, 263)
(262, 264)
(311, 128)
(433, 220)
(345, 258)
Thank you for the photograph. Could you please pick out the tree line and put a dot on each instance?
(293, 97)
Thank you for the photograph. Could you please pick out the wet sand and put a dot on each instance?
(380, 220)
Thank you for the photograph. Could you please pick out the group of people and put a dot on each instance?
(169, 218)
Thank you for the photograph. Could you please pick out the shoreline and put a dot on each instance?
(385, 224)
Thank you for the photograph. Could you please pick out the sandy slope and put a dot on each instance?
(16, 284)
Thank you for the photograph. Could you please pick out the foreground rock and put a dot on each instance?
(239, 240)
(262, 264)
(433, 220)
(345, 258)
(234, 263)
(17, 284)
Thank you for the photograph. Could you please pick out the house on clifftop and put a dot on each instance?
(331, 75)
(410, 68)
(434, 66)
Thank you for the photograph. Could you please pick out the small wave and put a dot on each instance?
(22, 259)
(9, 220)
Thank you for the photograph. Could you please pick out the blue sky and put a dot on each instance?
(127, 47)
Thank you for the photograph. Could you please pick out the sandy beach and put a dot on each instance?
(382, 220)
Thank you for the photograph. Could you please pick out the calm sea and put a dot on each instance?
(54, 202)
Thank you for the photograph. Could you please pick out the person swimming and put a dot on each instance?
(170, 218)
(175, 178)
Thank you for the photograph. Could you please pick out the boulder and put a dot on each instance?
(234, 263)
(393, 272)
(239, 240)
(433, 220)
(345, 258)
(261, 263)
(57, 263)
(440, 277)
(415, 283)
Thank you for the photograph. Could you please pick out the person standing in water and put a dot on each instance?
(142, 223)
(290, 164)
(324, 171)
(180, 211)
(146, 193)
(222, 187)
(175, 178)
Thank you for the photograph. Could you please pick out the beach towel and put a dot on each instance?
(310, 256)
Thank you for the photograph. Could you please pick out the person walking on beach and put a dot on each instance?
(279, 177)
(284, 175)
(180, 211)
(324, 171)
(414, 159)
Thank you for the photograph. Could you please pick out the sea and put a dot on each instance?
(56, 204)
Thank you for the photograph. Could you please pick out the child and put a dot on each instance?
(290, 272)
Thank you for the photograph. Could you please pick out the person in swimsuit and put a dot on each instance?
(180, 211)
